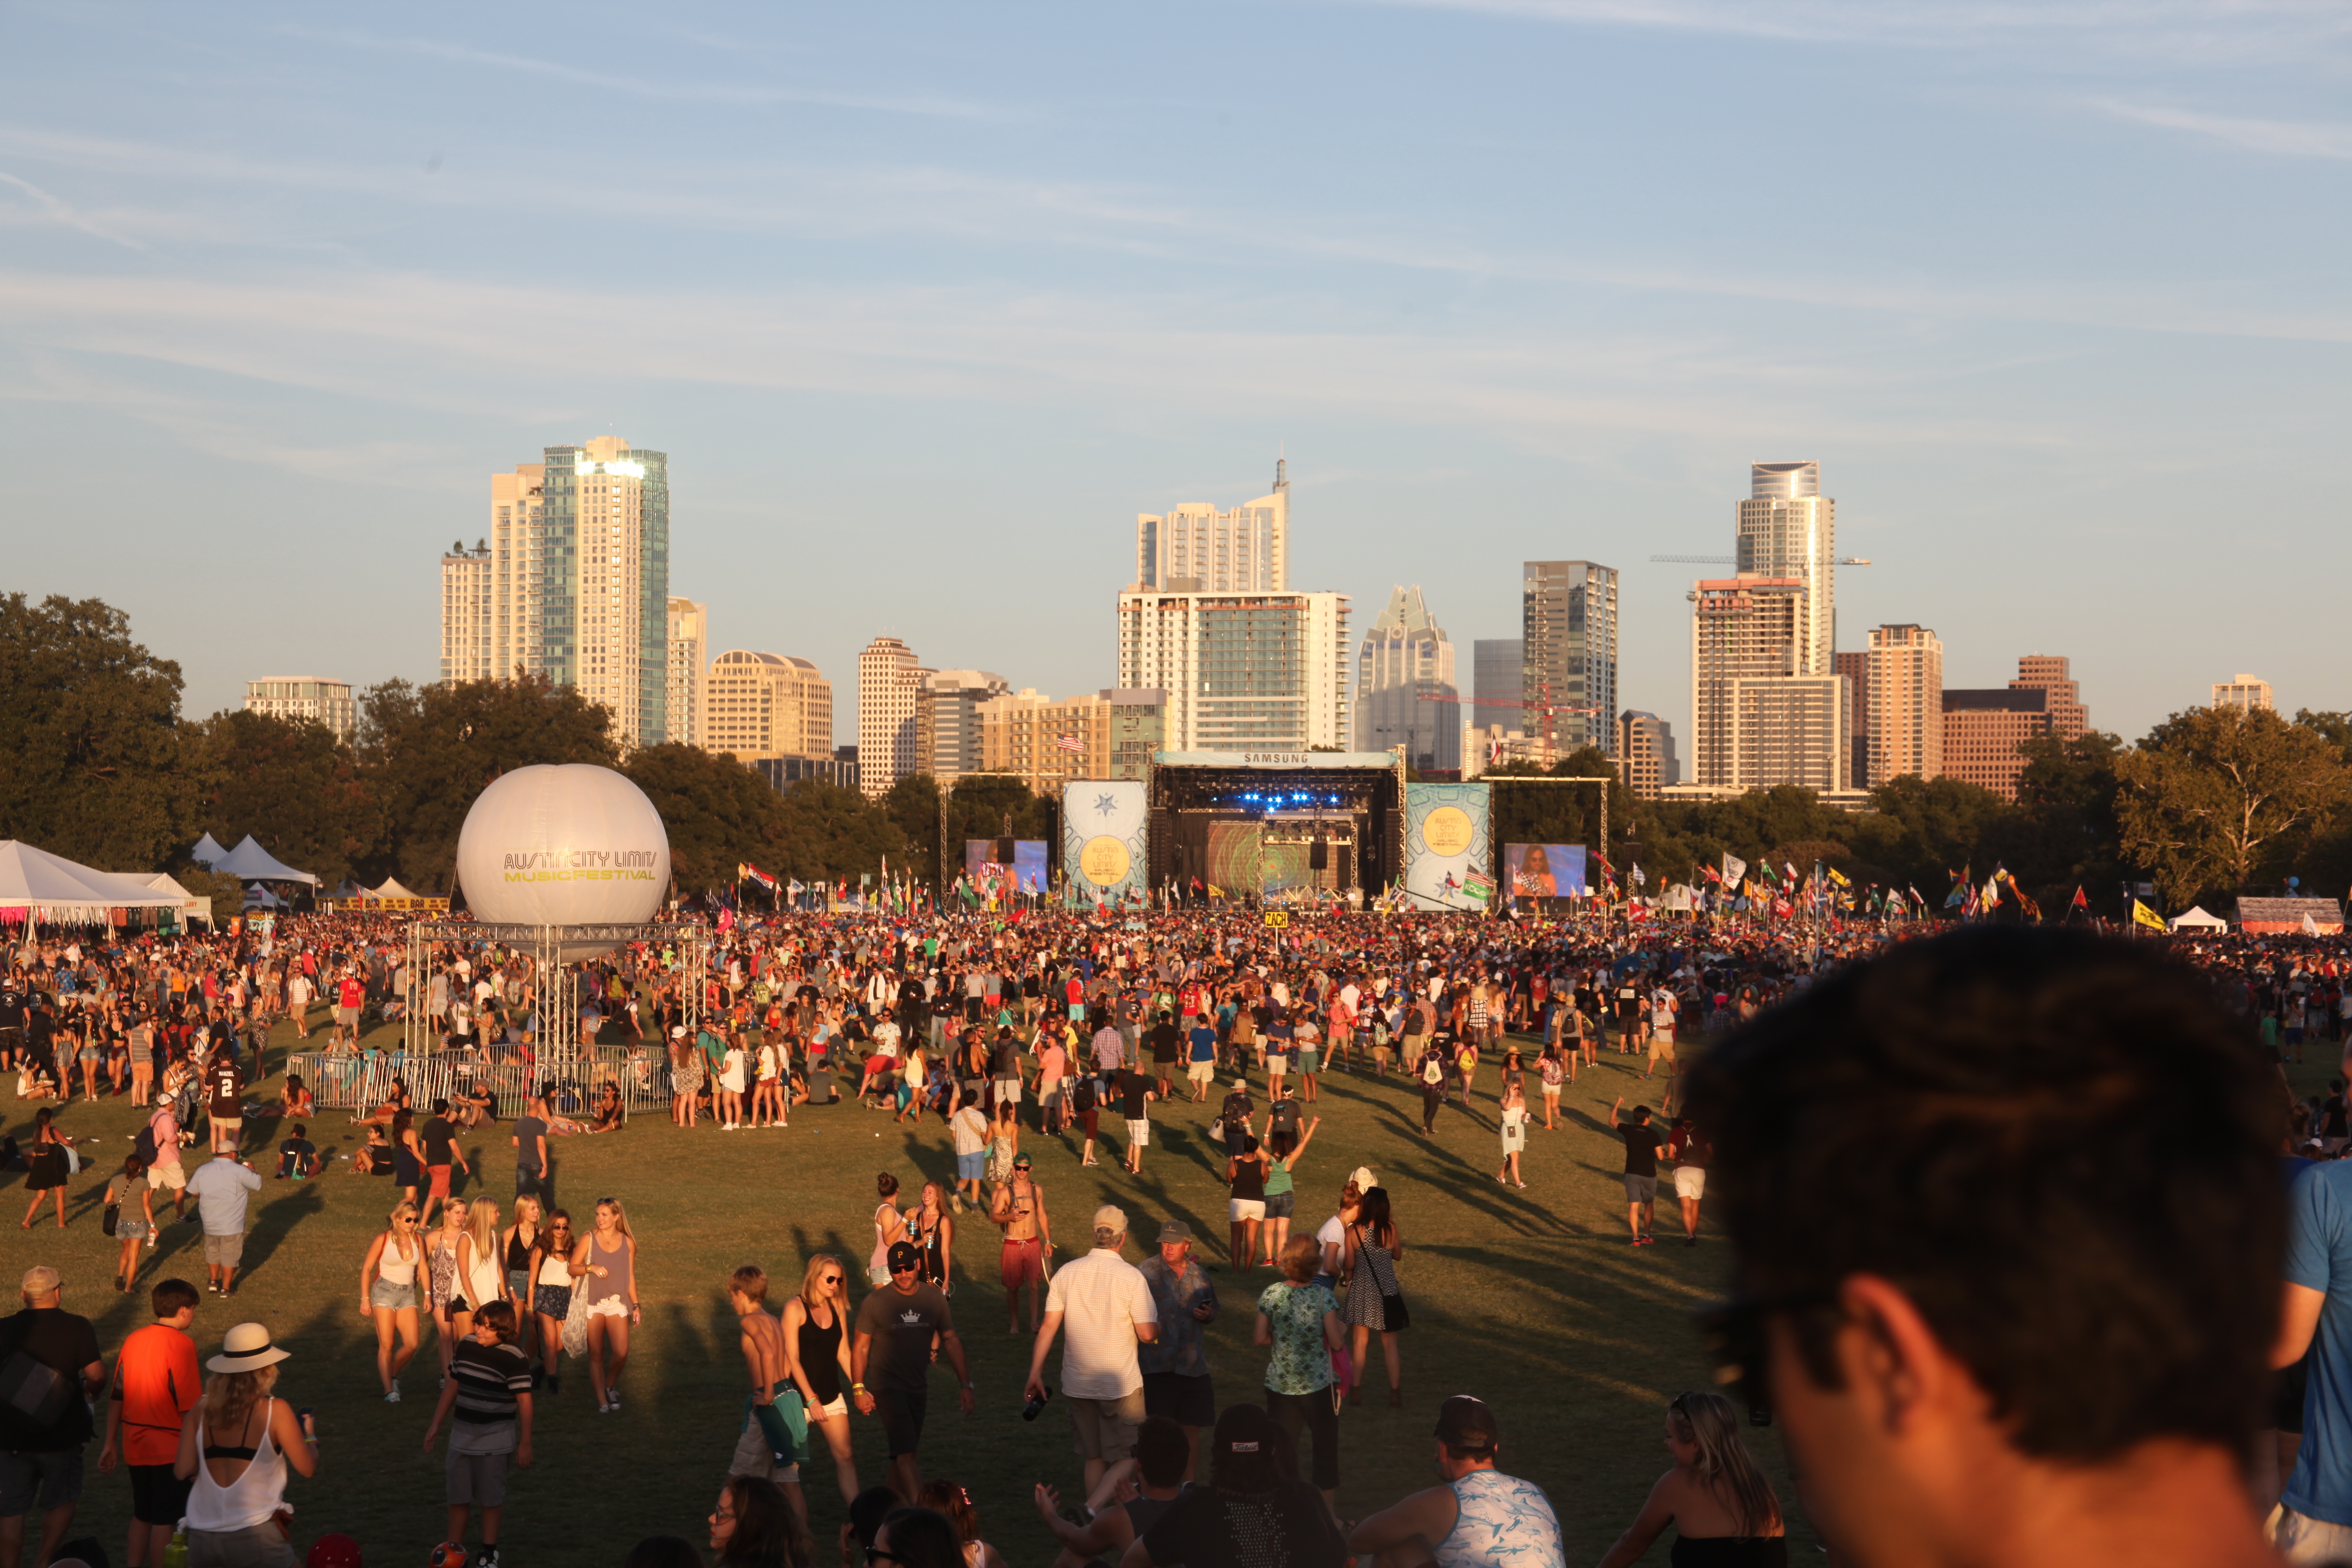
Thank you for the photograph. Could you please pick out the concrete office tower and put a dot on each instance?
(757, 706)
(1404, 662)
(1760, 718)
(1243, 672)
(889, 690)
(1569, 624)
(690, 649)
(2069, 719)
(305, 696)
(2245, 692)
(466, 614)
(1498, 674)
(1905, 703)
(1789, 529)
(1197, 548)
(1855, 669)
(949, 728)
(603, 560)
(1645, 754)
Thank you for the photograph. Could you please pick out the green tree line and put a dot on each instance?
(98, 764)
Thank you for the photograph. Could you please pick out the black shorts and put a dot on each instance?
(157, 1496)
(1186, 1401)
(901, 1411)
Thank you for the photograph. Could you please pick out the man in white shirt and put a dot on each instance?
(969, 1126)
(220, 1185)
(1106, 1303)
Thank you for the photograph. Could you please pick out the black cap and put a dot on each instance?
(1465, 1425)
(905, 1255)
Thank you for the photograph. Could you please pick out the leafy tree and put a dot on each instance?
(913, 807)
(831, 832)
(289, 782)
(1552, 814)
(426, 752)
(718, 813)
(979, 808)
(2063, 833)
(226, 892)
(2215, 795)
(1922, 830)
(89, 742)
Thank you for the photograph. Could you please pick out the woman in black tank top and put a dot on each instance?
(815, 1323)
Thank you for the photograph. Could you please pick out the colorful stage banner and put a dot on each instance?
(1543, 870)
(1446, 839)
(1025, 875)
(1103, 841)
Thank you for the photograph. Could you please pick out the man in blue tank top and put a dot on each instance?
(1480, 1517)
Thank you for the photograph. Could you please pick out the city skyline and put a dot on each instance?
(929, 328)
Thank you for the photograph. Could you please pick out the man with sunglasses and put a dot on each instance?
(895, 1330)
(2004, 1213)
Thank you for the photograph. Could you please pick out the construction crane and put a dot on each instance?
(1734, 561)
(1505, 702)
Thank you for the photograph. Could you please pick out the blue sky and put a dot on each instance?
(926, 303)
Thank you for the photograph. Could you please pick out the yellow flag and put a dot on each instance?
(2143, 915)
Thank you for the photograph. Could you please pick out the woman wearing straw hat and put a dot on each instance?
(236, 1445)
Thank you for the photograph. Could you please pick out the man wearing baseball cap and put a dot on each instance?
(893, 1344)
(1108, 1308)
(1480, 1517)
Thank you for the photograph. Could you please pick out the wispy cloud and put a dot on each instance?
(2285, 138)
(48, 209)
(639, 85)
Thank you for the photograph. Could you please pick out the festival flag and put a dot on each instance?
(1069, 742)
(1735, 869)
(1963, 894)
(747, 872)
(2025, 901)
(1712, 875)
(1992, 899)
(2144, 916)
(1639, 880)
(1838, 878)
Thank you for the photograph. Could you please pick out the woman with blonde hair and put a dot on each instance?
(816, 1358)
(389, 1295)
(607, 1258)
(237, 1446)
(481, 1277)
(515, 1249)
(1716, 1498)
(441, 1287)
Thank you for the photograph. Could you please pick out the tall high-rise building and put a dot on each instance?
(1406, 694)
(466, 614)
(1789, 529)
(1498, 676)
(1257, 672)
(1645, 752)
(1196, 547)
(575, 582)
(1905, 703)
(689, 648)
(1569, 624)
(890, 694)
(305, 696)
(2069, 719)
(1854, 668)
(756, 706)
(1760, 716)
(949, 726)
(2245, 692)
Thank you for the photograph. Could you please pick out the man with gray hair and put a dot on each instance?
(44, 1350)
(1106, 1304)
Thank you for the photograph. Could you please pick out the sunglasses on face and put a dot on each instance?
(829, 1279)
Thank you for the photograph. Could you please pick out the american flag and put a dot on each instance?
(1069, 742)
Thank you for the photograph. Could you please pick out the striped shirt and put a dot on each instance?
(489, 1379)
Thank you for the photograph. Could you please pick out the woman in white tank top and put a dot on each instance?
(389, 1297)
(237, 1447)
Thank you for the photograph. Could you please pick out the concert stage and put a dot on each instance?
(1275, 827)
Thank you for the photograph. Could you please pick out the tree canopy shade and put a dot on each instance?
(89, 742)
(426, 751)
(2215, 796)
(291, 784)
(718, 813)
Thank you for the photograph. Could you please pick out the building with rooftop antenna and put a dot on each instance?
(1406, 694)
(1195, 548)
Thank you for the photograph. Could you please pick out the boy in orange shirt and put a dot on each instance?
(156, 1383)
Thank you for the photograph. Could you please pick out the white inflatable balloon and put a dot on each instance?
(569, 845)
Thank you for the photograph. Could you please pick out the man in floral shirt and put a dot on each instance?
(1176, 1382)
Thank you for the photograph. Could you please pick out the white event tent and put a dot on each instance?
(2197, 919)
(249, 862)
(50, 888)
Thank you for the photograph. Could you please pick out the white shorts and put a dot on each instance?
(1138, 1134)
(610, 1307)
(1239, 1209)
(1690, 1182)
(836, 1411)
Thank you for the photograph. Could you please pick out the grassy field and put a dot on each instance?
(1531, 1299)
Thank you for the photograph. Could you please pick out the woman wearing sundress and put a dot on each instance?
(1374, 1305)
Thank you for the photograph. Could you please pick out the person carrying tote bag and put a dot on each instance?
(1375, 1304)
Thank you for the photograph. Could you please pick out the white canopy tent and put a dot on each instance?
(190, 905)
(52, 888)
(391, 889)
(2197, 919)
(208, 852)
(249, 862)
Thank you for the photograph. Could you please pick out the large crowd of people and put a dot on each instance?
(999, 1028)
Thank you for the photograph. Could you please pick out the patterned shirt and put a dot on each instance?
(1178, 1348)
(1300, 1362)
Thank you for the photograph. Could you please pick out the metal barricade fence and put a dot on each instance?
(361, 1082)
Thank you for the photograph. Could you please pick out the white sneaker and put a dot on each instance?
(394, 1397)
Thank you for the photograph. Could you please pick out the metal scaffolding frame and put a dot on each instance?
(555, 980)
